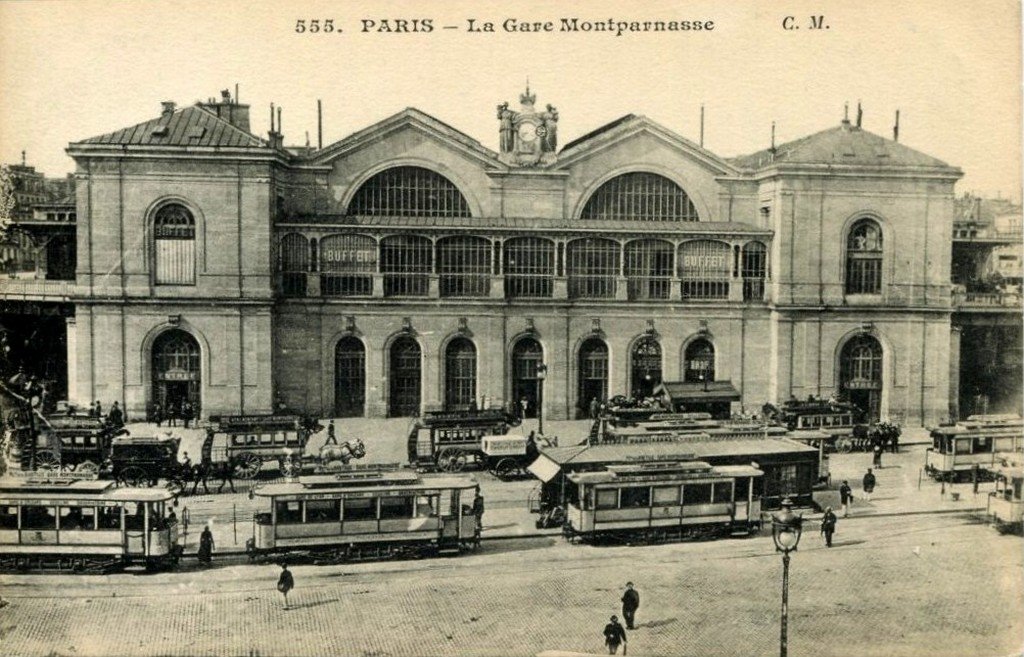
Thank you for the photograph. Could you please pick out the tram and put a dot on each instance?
(70, 524)
(980, 442)
(1005, 508)
(658, 501)
(367, 512)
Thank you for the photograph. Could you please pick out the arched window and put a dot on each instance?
(464, 266)
(176, 371)
(648, 269)
(347, 265)
(704, 269)
(646, 374)
(699, 361)
(405, 264)
(860, 374)
(640, 196)
(864, 258)
(294, 263)
(408, 192)
(174, 232)
(529, 267)
(592, 374)
(404, 368)
(349, 377)
(527, 355)
(593, 268)
(459, 374)
(754, 271)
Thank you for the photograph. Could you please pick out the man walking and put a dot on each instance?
(869, 483)
(630, 603)
(828, 526)
(877, 449)
(285, 583)
(332, 439)
(614, 635)
(846, 497)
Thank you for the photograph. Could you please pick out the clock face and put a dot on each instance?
(527, 132)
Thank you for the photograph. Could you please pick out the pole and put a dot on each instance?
(234, 520)
(783, 645)
(540, 406)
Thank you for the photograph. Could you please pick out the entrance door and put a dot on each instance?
(646, 373)
(593, 374)
(861, 375)
(349, 377)
(176, 375)
(404, 369)
(526, 356)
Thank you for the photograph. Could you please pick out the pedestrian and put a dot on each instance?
(532, 451)
(593, 408)
(614, 635)
(478, 509)
(630, 603)
(172, 516)
(869, 484)
(97, 410)
(332, 439)
(877, 461)
(206, 546)
(172, 414)
(894, 441)
(846, 497)
(186, 412)
(285, 583)
(524, 404)
(115, 418)
(828, 526)
(158, 414)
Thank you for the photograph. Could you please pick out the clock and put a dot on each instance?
(527, 132)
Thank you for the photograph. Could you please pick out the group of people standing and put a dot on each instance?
(114, 418)
(183, 410)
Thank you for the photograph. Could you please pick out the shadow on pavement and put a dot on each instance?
(516, 545)
(308, 605)
(657, 623)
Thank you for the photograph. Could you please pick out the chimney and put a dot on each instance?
(229, 110)
(167, 108)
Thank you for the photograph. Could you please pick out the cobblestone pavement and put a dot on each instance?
(940, 585)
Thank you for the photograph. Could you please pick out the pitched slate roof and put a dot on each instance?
(844, 144)
(188, 126)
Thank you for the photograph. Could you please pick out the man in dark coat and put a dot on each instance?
(869, 483)
(828, 526)
(846, 497)
(630, 603)
(115, 418)
(332, 439)
(206, 545)
(285, 583)
(614, 635)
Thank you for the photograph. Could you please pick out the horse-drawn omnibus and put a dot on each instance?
(74, 443)
(451, 440)
(246, 442)
(980, 442)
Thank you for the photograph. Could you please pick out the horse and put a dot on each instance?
(345, 452)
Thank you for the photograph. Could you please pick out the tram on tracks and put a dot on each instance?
(662, 501)
(84, 525)
(1005, 507)
(981, 442)
(367, 512)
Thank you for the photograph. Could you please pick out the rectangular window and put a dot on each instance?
(396, 507)
(175, 261)
(426, 506)
(696, 494)
(360, 508)
(666, 495)
(722, 491)
(788, 483)
(38, 517)
(704, 270)
(864, 275)
(8, 517)
(636, 497)
(607, 499)
(109, 517)
(77, 518)
(982, 445)
(322, 511)
(289, 513)
(742, 489)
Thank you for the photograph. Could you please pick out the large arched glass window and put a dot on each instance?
(294, 263)
(459, 374)
(529, 267)
(464, 266)
(176, 371)
(640, 196)
(754, 271)
(704, 269)
(593, 268)
(174, 232)
(405, 264)
(408, 192)
(648, 269)
(699, 361)
(864, 258)
(347, 265)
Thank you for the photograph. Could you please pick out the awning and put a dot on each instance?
(543, 468)
(698, 392)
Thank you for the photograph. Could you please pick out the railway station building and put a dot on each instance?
(409, 267)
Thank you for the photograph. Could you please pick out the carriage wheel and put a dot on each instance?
(135, 475)
(290, 467)
(506, 468)
(451, 460)
(247, 465)
(844, 445)
(47, 460)
(87, 467)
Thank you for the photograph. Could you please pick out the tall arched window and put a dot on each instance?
(529, 267)
(640, 196)
(648, 269)
(349, 377)
(405, 264)
(527, 354)
(176, 371)
(699, 361)
(408, 192)
(294, 263)
(646, 374)
(592, 374)
(593, 268)
(464, 266)
(860, 374)
(704, 269)
(754, 271)
(174, 232)
(347, 265)
(864, 258)
(459, 374)
(404, 369)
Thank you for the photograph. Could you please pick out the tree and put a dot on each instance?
(7, 200)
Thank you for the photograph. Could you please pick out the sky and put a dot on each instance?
(72, 70)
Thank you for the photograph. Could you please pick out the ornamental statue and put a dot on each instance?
(527, 137)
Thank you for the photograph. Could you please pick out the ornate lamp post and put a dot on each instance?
(542, 373)
(786, 528)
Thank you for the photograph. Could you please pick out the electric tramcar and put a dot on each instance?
(980, 441)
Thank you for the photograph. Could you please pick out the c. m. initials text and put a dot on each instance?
(812, 23)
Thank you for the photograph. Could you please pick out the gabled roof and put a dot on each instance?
(844, 144)
(408, 116)
(188, 126)
(625, 126)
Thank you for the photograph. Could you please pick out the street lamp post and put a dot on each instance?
(542, 373)
(786, 528)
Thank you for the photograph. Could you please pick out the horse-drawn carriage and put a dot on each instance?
(452, 440)
(141, 461)
(72, 443)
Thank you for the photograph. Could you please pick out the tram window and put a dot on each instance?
(742, 488)
(666, 495)
(607, 499)
(266, 438)
(38, 517)
(396, 507)
(133, 516)
(426, 506)
(722, 491)
(322, 511)
(110, 517)
(360, 508)
(982, 444)
(8, 517)
(635, 497)
(77, 518)
(289, 513)
(697, 494)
